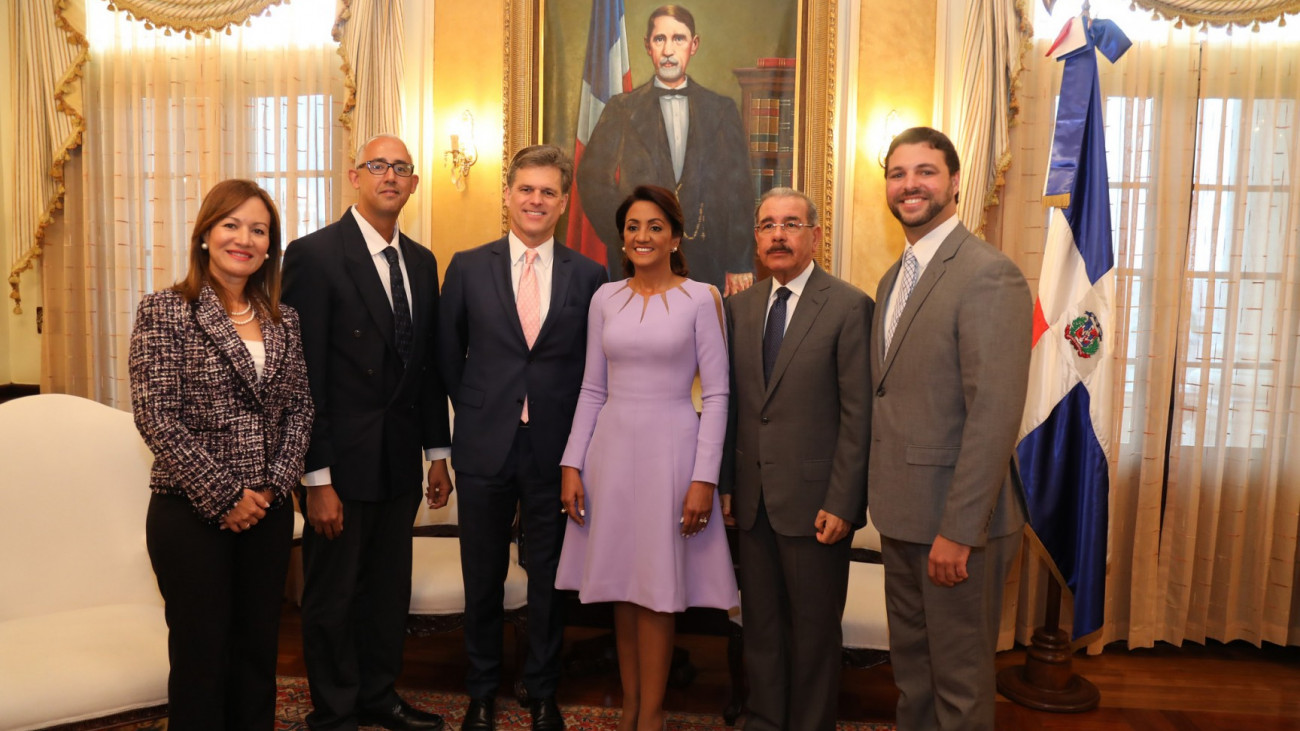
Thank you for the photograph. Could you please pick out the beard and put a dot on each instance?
(932, 208)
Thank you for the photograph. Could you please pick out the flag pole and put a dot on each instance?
(1047, 681)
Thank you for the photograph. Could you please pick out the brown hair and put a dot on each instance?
(667, 202)
(542, 156)
(263, 289)
(676, 12)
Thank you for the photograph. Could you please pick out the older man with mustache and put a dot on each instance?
(643, 137)
(794, 472)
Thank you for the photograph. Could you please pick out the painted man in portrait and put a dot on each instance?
(675, 133)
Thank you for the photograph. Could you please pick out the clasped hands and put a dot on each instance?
(696, 508)
(252, 507)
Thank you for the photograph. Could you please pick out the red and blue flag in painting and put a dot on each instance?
(1066, 445)
(606, 72)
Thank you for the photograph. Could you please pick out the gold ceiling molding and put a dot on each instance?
(1220, 12)
(192, 16)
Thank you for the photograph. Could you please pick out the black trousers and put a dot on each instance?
(223, 592)
(356, 596)
(487, 510)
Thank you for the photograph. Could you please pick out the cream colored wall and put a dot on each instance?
(464, 71)
(896, 71)
(20, 346)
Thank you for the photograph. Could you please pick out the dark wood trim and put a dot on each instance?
(133, 716)
(11, 391)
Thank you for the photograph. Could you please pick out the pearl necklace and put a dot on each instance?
(248, 310)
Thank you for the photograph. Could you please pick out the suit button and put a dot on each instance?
(356, 333)
(764, 420)
(530, 357)
(370, 371)
(880, 391)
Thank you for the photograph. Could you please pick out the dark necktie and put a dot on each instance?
(403, 330)
(774, 333)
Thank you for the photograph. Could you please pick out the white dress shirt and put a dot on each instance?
(795, 286)
(542, 269)
(924, 250)
(677, 123)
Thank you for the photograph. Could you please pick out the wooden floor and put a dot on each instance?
(1213, 688)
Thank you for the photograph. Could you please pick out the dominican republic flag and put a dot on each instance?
(605, 73)
(1066, 445)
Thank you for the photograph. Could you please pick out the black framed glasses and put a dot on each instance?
(379, 167)
(790, 227)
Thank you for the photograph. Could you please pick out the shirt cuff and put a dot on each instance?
(434, 454)
(317, 477)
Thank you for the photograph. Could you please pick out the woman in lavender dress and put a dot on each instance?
(641, 465)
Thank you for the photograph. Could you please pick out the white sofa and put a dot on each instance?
(82, 632)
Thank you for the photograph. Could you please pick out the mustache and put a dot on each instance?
(777, 248)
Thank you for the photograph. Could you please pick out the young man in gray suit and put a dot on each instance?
(512, 347)
(950, 367)
(795, 467)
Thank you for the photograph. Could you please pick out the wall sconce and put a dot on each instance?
(892, 127)
(464, 151)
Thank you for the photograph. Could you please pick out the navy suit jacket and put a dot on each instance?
(373, 414)
(488, 367)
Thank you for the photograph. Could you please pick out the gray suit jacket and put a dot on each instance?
(800, 442)
(949, 396)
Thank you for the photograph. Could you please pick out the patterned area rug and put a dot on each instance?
(294, 703)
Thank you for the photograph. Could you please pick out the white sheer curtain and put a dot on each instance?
(1203, 138)
(167, 118)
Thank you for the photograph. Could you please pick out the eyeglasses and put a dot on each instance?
(379, 167)
(790, 227)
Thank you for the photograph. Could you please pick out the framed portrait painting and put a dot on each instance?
(716, 101)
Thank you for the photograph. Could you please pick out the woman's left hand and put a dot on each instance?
(696, 508)
(251, 508)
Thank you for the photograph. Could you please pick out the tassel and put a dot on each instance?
(1255, 28)
(1179, 24)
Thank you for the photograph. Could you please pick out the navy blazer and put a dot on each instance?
(374, 414)
(214, 427)
(488, 367)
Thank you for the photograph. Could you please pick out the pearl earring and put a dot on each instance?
(203, 245)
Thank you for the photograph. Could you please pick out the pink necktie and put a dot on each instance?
(529, 304)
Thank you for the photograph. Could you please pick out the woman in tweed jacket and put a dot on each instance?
(220, 395)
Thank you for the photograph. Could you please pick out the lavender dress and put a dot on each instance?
(639, 443)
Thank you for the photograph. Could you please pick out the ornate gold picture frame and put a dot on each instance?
(814, 103)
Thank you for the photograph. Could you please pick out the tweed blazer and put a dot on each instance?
(948, 397)
(215, 428)
(799, 442)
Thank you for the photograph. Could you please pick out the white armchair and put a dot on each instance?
(82, 632)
